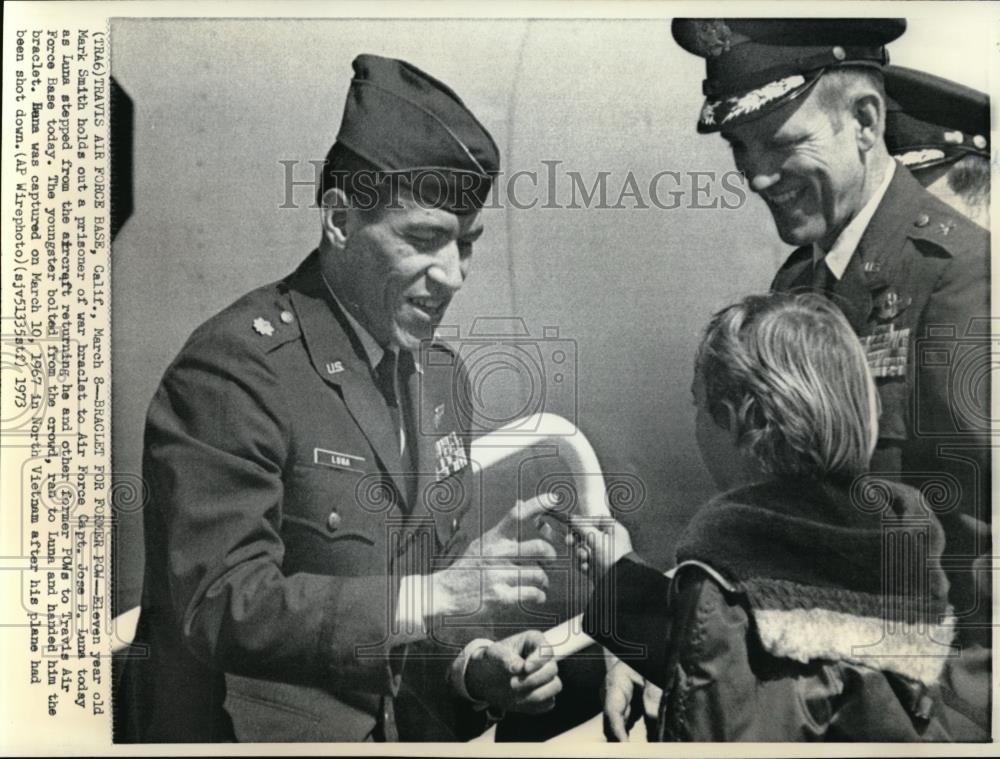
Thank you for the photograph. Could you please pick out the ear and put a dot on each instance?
(334, 217)
(731, 426)
(869, 119)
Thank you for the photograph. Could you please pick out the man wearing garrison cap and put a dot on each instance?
(307, 462)
(940, 130)
(802, 104)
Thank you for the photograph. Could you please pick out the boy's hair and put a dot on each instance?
(790, 374)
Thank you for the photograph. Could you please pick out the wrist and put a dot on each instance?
(442, 602)
(458, 673)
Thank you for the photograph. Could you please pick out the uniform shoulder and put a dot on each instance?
(259, 322)
(939, 230)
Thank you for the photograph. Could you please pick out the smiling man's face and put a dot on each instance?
(807, 165)
(402, 267)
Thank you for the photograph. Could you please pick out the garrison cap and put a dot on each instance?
(932, 121)
(405, 122)
(754, 65)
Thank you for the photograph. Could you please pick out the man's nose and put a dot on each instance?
(760, 169)
(447, 270)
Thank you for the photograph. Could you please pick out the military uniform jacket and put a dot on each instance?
(916, 292)
(280, 522)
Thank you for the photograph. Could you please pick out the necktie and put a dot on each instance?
(823, 279)
(392, 375)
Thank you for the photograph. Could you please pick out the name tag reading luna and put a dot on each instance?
(336, 459)
(887, 350)
(451, 456)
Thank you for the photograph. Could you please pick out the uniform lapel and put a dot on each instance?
(338, 358)
(433, 420)
(852, 295)
(879, 253)
(415, 442)
(423, 437)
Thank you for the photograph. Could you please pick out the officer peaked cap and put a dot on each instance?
(932, 121)
(755, 65)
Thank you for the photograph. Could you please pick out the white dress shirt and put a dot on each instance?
(846, 243)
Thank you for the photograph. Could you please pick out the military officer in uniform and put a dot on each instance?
(802, 104)
(313, 521)
(940, 130)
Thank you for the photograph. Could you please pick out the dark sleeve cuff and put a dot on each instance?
(628, 614)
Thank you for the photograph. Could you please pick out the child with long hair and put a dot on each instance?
(808, 601)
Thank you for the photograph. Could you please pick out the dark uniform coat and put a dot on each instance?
(916, 291)
(279, 524)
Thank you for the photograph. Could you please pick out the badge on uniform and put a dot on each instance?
(890, 304)
(263, 327)
(335, 459)
(451, 457)
(887, 350)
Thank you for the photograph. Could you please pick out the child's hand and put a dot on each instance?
(599, 542)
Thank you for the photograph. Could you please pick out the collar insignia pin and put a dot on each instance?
(263, 327)
(334, 367)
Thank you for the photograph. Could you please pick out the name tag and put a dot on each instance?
(450, 456)
(336, 459)
(887, 350)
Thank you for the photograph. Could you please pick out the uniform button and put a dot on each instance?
(286, 317)
(979, 141)
(839, 53)
(454, 524)
(333, 521)
(922, 220)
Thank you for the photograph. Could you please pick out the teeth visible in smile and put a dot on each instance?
(430, 305)
(784, 197)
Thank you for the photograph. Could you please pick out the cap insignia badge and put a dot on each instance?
(714, 37)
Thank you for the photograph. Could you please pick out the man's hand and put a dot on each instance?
(499, 569)
(515, 674)
(598, 542)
